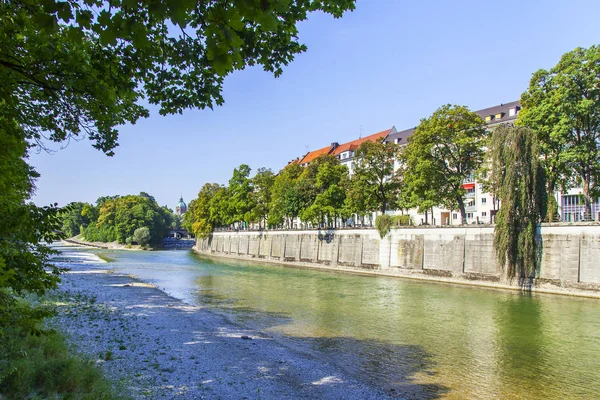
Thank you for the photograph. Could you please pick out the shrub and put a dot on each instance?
(142, 236)
(403, 220)
(129, 240)
(383, 223)
(42, 366)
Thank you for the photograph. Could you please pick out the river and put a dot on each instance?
(416, 339)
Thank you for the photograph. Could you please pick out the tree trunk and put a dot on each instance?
(586, 199)
(463, 212)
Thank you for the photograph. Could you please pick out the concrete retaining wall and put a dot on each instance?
(570, 253)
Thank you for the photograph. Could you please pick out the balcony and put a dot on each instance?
(470, 195)
(472, 208)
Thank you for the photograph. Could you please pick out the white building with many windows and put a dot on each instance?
(481, 207)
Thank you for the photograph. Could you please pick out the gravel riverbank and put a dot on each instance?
(157, 347)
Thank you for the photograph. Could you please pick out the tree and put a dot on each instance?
(73, 218)
(261, 197)
(518, 179)
(199, 218)
(445, 149)
(72, 68)
(562, 106)
(142, 236)
(285, 198)
(325, 182)
(118, 218)
(24, 229)
(240, 201)
(375, 185)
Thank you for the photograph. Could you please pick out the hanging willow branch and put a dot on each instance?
(518, 180)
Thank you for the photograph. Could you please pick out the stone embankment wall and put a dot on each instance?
(570, 254)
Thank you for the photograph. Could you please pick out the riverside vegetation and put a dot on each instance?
(71, 69)
(125, 219)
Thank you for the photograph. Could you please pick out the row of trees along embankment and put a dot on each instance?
(553, 145)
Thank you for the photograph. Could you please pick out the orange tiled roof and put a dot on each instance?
(314, 154)
(353, 145)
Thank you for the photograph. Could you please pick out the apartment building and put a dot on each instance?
(480, 206)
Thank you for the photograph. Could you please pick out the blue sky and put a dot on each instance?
(387, 63)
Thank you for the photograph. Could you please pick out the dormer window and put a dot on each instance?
(499, 115)
(513, 111)
(489, 118)
(398, 140)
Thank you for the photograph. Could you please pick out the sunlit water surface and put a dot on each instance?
(415, 339)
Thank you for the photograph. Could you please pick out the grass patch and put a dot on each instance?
(41, 367)
(105, 257)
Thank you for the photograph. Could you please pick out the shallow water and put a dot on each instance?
(417, 339)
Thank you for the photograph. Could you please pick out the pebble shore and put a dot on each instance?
(154, 346)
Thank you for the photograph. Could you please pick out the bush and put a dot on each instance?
(38, 364)
(403, 220)
(383, 223)
(129, 240)
(142, 236)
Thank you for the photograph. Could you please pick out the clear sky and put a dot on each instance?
(387, 63)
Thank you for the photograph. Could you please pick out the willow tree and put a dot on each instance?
(517, 178)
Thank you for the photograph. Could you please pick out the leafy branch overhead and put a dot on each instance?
(73, 68)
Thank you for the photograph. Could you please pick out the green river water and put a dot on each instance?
(416, 339)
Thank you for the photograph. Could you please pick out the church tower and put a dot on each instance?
(181, 207)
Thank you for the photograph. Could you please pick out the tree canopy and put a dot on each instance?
(562, 106)
(116, 218)
(444, 150)
(375, 183)
(286, 199)
(81, 68)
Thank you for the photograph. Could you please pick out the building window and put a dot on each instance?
(469, 215)
(489, 118)
(484, 214)
(454, 216)
(513, 111)
(499, 115)
(483, 200)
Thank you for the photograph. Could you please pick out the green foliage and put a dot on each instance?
(119, 217)
(518, 180)
(72, 68)
(403, 220)
(285, 195)
(42, 366)
(240, 199)
(74, 218)
(142, 236)
(206, 212)
(383, 224)
(322, 187)
(444, 150)
(562, 106)
(261, 196)
(129, 240)
(552, 212)
(374, 186)
(24, 228)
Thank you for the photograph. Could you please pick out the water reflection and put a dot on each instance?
(421, 340)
